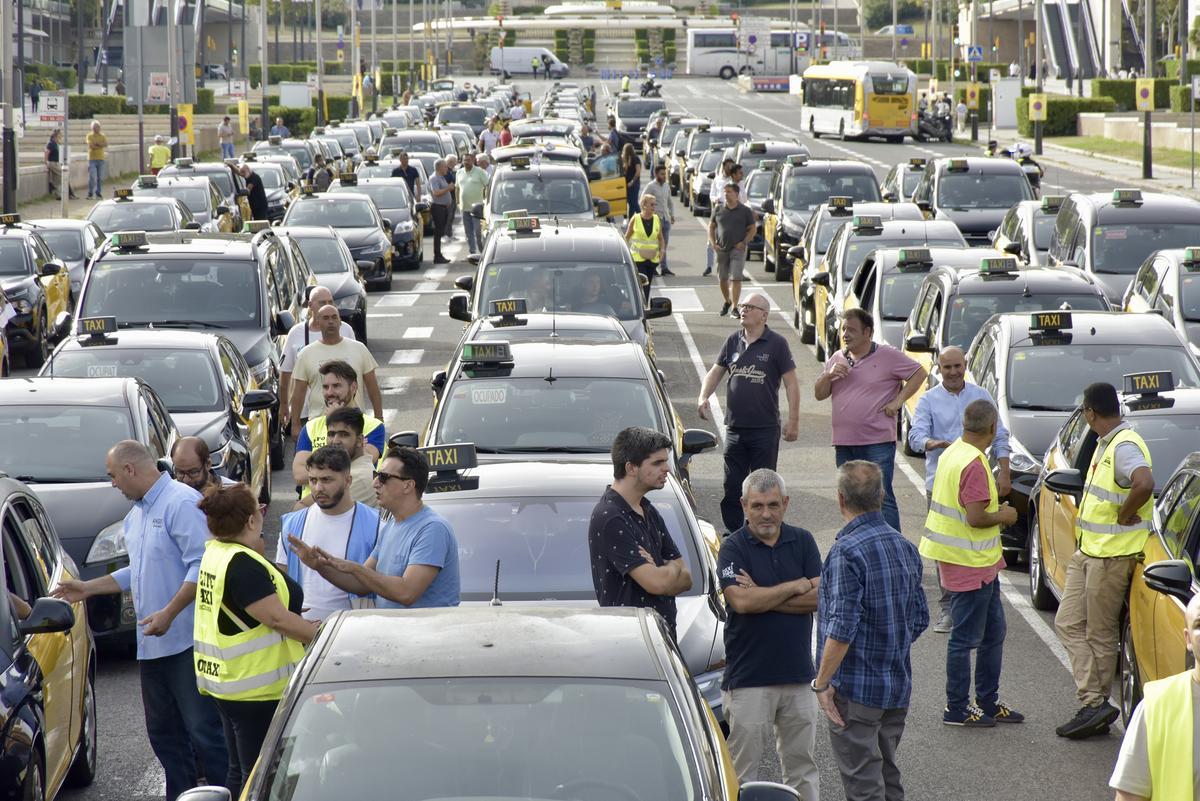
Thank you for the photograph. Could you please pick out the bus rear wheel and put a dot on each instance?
(726, 74)
(812, 128)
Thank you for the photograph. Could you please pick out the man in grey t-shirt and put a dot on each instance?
(729, 233)
(443, 197)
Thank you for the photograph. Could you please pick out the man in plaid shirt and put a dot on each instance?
(871, 607)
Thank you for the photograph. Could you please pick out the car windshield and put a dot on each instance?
(222, 180)
(36, 437)
(471, 115)
(701, 140)
(1189, 297)
(1043, 230)
(12, 257)
(987, 190)
(587, 287)
(1052, 377)
(345, 138)
(1170, 438)
(65, 243)
(542, 544)
(807, 190)
(968, 313)
(385, 196)
(758, 185)
(899, 294)
(711, 160)
(194, 197)
(527, 189)
(339, 212)
(117, 216)
(511, 415)
(859, 247)
(300, 154)
(142, 292)
(483, 739)
(639, 108)
(272, 179)
(1121, 249)
(184, 379)
(324, 255)
(908, 182)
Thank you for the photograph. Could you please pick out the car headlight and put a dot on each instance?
(217, 458)
(374, 249)
(348, 303)
(403, 227)
(261, 373)
(1020, 460)
(109, 544)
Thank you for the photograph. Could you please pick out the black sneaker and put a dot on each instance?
(1001, 713)
(707, 271)
(971, 718)
(665, 271)
(734, 313)
(724, 309)
(1089, 721)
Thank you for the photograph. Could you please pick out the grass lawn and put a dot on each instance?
(1128, 150)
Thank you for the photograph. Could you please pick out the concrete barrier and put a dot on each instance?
(1169, 135)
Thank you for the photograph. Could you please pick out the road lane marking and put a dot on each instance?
(714, 405)
(407, 356)
(425, 286)
(395, 386)
(402, 299)
(683, 299)
(418, 332)
(435, 273)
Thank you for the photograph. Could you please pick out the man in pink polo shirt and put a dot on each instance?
(869, 383)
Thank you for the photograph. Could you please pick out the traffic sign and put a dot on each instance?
(974, 54)
(1143, 94)
(237, 87)
(160, 88)
(54, 108)
(1195, 86)
(904, 42)
(973, 96)
(1037, 108)
(183, 113)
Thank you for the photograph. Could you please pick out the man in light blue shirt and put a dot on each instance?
(164, 534)
(415, 561)
(938, 422)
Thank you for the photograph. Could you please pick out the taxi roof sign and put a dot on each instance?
(840, 201)
(798, 159)
(1191, 259)
(1049, 321)
(507, 307)
(524, 225)
(371, 158)
(124, 193)
(1149, 383)
(958, 165)
(757, 147)
(274, 140)
(867, 222)
(446, 462)
(308, 189)
(1052, 202)
(9, 220)
(348, 179)
(125, 240)
(918, 163)
(97, 327)
(1130, 197)
(520, 162)
(183, 163)
(910, 258)
(254, 226)
(478, 352)
(147, 181)
(766, 164)
(998, 265)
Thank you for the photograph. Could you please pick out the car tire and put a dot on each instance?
(905, 425)
(1039, 594)
(83, 769)
(783, 268)
(36, 356)
(360, 329)
(821, 357)
(277, 450)
(34, 788)
(808, 331)
(1131, 680)
(727, 73)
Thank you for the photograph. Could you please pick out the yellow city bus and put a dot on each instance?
(860, 99)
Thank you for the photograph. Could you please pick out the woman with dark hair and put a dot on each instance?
(631, 168)
(249, 635)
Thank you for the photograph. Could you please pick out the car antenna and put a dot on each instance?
(553, 312)
(496, 587)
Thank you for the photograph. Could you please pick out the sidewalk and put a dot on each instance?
(77, 208)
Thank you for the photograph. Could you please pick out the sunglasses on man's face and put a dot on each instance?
(384, 478)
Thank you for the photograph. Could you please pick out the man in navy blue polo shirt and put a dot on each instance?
(757, 360)
(770, 572)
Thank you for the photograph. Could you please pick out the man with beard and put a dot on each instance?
(193, 464)
(344, 429)
(339, 386)
(336, 523)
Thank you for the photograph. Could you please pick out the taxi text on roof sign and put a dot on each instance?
(1127, 196)
(506, 307)
(1191, 259)
(757, 147)
(913, 257)
(348, 179)
(1148, 383)
(840, 202)
(524, 224)
(1052, 202)
(123, 193)
(9, 220)
(128, 239)
(997, 265)
(477, 352)
(917, 163)
(98, 326)
(766, 164)
(450, 458)
(147, 181)
(867, 222)
(1049, 321)
(958, 165)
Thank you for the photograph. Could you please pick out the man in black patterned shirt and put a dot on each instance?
(634, 560)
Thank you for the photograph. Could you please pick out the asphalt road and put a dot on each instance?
(411, 336)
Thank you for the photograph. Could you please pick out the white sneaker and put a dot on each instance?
(944, 624)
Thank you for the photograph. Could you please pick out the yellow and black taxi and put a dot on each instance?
(808, 256)
(886, 285)
(579, 682)
(73, 242)
(1110, 235)
(398, 208)
(1027, 229)
(224, 176)
(749, 153)
(44, 418)
(1152, 640)
(1166, 416)
(632, 112)
(358, 221)
(549, 190)
(800, 185)
(124, 212)
(333, 268)
(974, 193)
(37, 286)
(510, 320)
(1036, 365)
(755, 189)
(47, 659)
(243, 286)
(197, 193)
(856, 239)
(1168, 283)
(580, 267)
(901, 181)
(201, 378)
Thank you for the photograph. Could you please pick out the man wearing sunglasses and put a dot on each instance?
(415, 561)
(757, 360)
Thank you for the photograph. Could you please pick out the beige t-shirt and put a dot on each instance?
(362, 482)
(313, 355)
(1132, 772)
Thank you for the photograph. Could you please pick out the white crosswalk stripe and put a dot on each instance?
(412, 356)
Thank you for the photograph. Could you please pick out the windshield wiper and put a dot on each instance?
(27, 479)
(186, 324)
(1039, 407)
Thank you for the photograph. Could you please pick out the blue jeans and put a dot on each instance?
(746, 450)
(184, 726)
(884, 455)
(979, 626)
(666, 232)
(227, 150)
(633, 194)
(471, 227)
(95, 175)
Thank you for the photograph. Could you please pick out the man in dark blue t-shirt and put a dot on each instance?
(410, 175)
(769, 572)
(757, 360)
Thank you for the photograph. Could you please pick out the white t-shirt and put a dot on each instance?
(330, 533)
(1132, 771)
(296, 340)
(312, 356)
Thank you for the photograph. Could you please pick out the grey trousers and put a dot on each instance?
(865, 751)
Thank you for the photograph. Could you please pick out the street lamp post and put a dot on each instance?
(1148, 72)
(6, 95)
(1037, 67)
(264, 82)
(320, 70)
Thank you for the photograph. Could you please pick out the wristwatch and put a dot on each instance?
(817, 689)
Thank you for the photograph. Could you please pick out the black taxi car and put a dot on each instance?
(399, 209)
(358, 222)
(1027, 229)
(1036, 365)
(73, 242)
(1168, 283)
(197, 193)
(333, 267)
(1110, 234)
(973, 193)
(124, 212)
(224, 176)
(901, 181)
(37, 286)
(47, 659)
(750, 152)
(547, 189)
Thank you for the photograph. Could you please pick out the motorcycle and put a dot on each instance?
(651, 89)
(1033, 171)
(934, 127)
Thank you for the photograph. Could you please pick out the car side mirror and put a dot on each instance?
(758, 791)
(459, 308)
(281, 323)
(924, 206)
(205, 794)
(191, 226)
(891, 197)
(438, 382)
(822, 279)
(1013, 248)
(593, 175)
(62, 324)
(1065, 482)
(658, 307)
(768, 205)
(404, 439)
(257, 400)
(796, 252)
(712, 174)
(222, 210)
(465, 282)
(51, 268)
(1171, 577)
(603, 208)
(697, 440)
(422, 207)
(48, 616)
(916, 343)
(477, 211)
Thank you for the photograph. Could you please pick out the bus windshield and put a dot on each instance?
(889, 84)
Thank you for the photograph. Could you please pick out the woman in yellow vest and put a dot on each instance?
(1158, 761)
(645, 237)
(249, 634)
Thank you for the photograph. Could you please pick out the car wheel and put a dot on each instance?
(905, 425)
(1039, 594)
(812, 128)
(264, 494)
(821, 356)
(808, 331)
(36, 357)
(795, 318)
(83, 769)
(1131, 681)
(386, 283)
(726, 73)
(35, 786)
(277, 449)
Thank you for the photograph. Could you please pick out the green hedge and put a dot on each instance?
(58, 77)
(1181, 98)
(1123, 91)
(1171, 65)
(1062, 113)
(300, 121)
(204, 101)
(84, 107)
(985, 100)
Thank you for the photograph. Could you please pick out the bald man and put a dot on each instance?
(306, 399)
(164, 534)
(938, 422)
(193, 464)
(1156, 762)
(757, 360)
(301, 334)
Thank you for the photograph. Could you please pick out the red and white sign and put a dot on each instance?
(237, 87)
(159, 90)
(53, 109)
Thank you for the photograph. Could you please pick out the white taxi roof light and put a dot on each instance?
(183, 163)
(147, 181)
(757, 147)
(348, 179)
(125, 240)
(524, 224)
(274, 140)
(1127, 196)
(958, 165)
(840, 201)
(914, 257)
(766, 164)
(1049, 321)
(998, 265)
(867, 222)
(1052, 202)
(251, 156)
(9, 220)
(477, 352)
(97, 327)
(254, 226)
(1191, 259)
(508, 307)
(1149, 383)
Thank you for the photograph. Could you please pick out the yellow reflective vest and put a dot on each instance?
(255, 663)
(1170, 718)
(643, 245)
(948, 537)
(1096, 527)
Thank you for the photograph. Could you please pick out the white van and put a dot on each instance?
(519, 61)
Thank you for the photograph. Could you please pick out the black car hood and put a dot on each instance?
(208, 426)
(357, 237)
(80, 511)
(253, 343)
(1035, 429)
(1114, 286)
(973, 221)
(340, 284)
